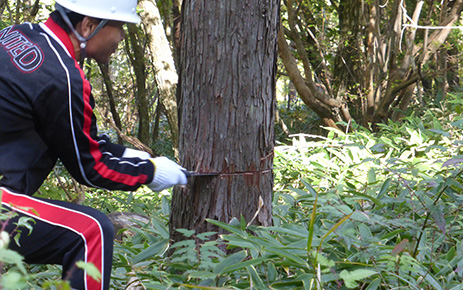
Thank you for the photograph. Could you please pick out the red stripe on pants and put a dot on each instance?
(83, 225)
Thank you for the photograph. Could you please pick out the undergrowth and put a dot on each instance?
(350, 211)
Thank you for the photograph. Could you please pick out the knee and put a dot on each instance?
(107, 226)
(101, 225)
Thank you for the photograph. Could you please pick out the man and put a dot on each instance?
(46, 113)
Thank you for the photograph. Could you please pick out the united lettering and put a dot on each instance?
(26, 56)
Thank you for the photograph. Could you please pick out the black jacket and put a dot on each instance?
(46, 113)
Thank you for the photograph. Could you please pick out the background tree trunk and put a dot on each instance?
(347, 73)
(315, 92)
(316, 100)
(227, 107)
(3, 4)
(376, 59)
(104, 68)
(165, 72)
(176, 19)
(404, 76)
(138, 62)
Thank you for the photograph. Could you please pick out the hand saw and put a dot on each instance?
(194, 173)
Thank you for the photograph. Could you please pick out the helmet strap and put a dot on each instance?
(82, 40)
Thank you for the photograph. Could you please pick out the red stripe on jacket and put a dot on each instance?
(101, 168)
(87, 227)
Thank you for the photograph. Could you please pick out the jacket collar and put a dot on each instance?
(61, 36)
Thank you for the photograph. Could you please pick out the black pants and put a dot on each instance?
(64, 233)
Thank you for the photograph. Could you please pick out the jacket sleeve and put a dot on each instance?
(115, 149)
(66, 122)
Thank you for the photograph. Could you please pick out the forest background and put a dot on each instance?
(367, 166)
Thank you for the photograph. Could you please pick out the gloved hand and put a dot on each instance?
(166, 174)
(136, 153)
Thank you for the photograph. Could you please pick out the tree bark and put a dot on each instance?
(161, 55)
(138, 62)
(227, 106)
(3, 3)
(347, 74)
(176, 17)
(104, 68)
(34, 10)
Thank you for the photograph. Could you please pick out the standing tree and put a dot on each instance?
(163, 62)
(226, 112)
(365, 57)
(137, 58)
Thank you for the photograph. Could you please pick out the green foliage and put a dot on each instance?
(351, 211)
(296, 118)
(3, 24)
(90, 269)
(402, 188)
(17, 274)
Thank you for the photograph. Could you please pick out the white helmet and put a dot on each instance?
(119, 10)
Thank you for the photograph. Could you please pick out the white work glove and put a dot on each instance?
(130, 153)
(167, 173)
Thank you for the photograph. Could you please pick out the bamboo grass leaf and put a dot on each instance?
(227, 227)
(157, 249)
(288, 255)
(311, 225)
(255, 278)
(384, 188)
(439, 218)
(337, 225)
(351, 277)
(229, 261)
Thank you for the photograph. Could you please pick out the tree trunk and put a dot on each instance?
(138, 62)
(317, 101)
(347, 74)
(453, 65)
(163, 62)
(409, 73)
(227, 106)
(104, 68)
(176, 17)
(3, 4)
(380, 55)
(34, 10)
